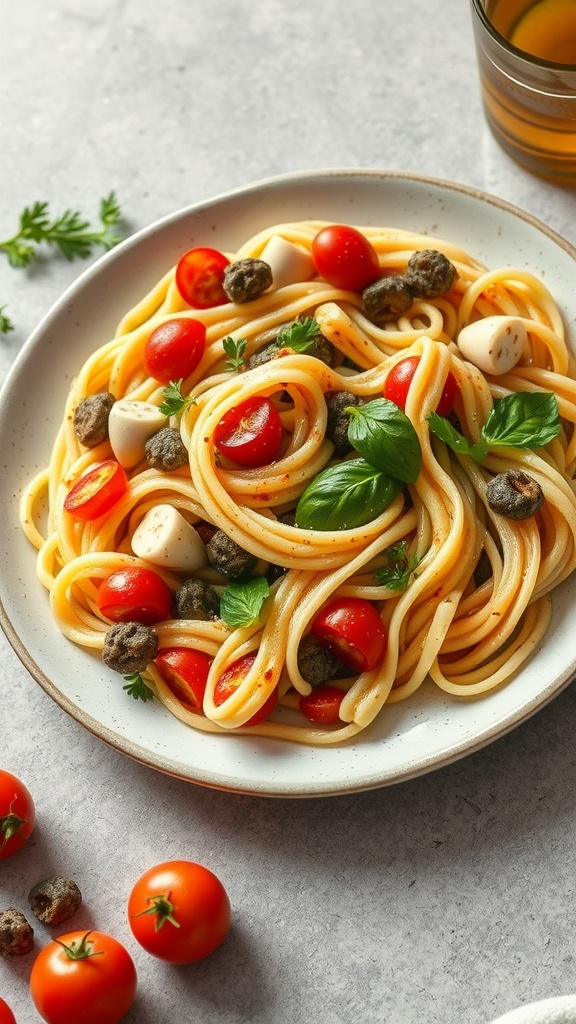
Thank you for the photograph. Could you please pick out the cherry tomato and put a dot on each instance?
(96, 491)
(353, 630)
(199, 276)
(6, 1015)
(17, 814)
(251, 433)
(398, 381)
(345, 258)
(185, 671)
(135, 594)
(83, 976)
(179, 911)
(230, 680)
(174, 349)
(322, 705)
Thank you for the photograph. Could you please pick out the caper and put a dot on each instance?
(514, 494)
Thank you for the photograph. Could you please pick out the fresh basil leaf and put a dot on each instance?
(241, 603)
(443, 429)
(526, 419)
(345, 496)
(385, 437)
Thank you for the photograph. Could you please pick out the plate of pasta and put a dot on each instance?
(292, 509)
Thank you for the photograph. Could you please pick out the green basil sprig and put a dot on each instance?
(241, 603)
(345, 496)
(527, 419)
(384, 435)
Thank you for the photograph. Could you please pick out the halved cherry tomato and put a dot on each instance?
(352, 629)
(135, 594)
(179, 911)
(251, 433)
(83, 976)
(174, 349)
(398, 381)
(6, 1015)
(345, 258)
(96, 491)
(17, 814)
(185, 671)
(322, 705)
(230, 680)
(199, 276)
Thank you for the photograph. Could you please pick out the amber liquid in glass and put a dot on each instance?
(543, 28)
(530, 108)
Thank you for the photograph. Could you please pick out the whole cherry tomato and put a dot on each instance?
(6, 1015)
(83, 976)
(352, 629)
(179, 911)
(135, 594)
(199, 277)
(230, 680)
(17, 814)
(345, 258)
(322, 705)
(185, 672)
(174, 349)
(398, 381)
(251, 433)
(96, 491)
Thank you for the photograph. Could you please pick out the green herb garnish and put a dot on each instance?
(345, 496)
(6, 324)
(526, 419)
(70, 232)
(384, 435)
(174, 401)
(137, 688)
(401, 565)
(241, 603)
(234, 349)
(299, 335)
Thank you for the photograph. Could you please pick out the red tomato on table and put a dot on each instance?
(179, 911)
(398, 381)
(83, 976)
(6, 1015)
(17, 814)
(251, 433)
(185, 672)
(345, 258)
(174, 349)
(96, 491)
(352, 629)
(199, 277)
(135, 594)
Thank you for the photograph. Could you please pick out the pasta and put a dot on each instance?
(466, 634)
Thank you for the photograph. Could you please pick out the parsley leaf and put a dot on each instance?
(137, 688)
(234, 349)
(401, 566)
(174, 401)
(6, 324)
(70, 232)
(241, 603)
(299, 335)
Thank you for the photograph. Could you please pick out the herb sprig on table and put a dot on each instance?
(69, 232)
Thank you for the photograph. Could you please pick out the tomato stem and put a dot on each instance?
(10, 825)
(163, 909)
(80, 950)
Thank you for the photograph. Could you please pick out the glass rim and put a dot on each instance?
(529, 58)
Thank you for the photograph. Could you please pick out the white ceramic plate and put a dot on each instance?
(409, 739)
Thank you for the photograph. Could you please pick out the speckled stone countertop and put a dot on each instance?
(448, 899)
